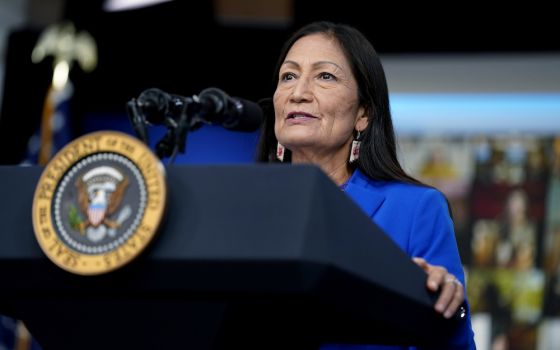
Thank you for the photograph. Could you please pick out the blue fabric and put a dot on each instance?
(7, 332)
(59, 127)
(417, 219)
(10, 339)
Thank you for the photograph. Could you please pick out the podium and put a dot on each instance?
(248, 257)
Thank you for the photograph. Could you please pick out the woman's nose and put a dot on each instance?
(302, 91)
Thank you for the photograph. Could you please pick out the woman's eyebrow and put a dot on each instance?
(315, 64)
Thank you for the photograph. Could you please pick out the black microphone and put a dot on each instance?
(157, 104)
(212, 105)
(232, 113)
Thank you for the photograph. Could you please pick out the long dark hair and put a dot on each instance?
(378, 154)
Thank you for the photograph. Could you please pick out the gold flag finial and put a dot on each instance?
(62, 42)
(66, 46)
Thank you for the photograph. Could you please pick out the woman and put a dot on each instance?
(331, 108)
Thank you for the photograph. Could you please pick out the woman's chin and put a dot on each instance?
(295, 144)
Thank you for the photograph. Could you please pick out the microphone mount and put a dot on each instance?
(142, 111)
(183, 114)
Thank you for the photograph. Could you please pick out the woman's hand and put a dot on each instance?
(452, 292)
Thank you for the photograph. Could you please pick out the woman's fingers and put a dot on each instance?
(435, 273)
(422, 263)
(451, 296)
(452, 293)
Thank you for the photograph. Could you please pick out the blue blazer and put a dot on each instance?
(417, 219)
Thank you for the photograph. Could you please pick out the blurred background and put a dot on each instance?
(475, 96)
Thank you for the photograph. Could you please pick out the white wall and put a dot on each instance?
(475, 93)
(475, 72)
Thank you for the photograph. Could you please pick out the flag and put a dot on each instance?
(66, 46)
(55, 130)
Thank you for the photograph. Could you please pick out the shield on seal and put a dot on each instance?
(96, 213)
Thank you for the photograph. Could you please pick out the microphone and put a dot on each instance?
(232, 113)
(157, 104)
(212, 105)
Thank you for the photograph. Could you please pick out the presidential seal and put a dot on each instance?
(99, 202)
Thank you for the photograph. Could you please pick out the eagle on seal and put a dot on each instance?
(100, 193)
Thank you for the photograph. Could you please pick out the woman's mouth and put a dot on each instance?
(299, 117)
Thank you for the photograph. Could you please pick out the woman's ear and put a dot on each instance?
(362, 121)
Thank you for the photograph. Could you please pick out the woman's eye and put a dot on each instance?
(287, 76)
(326, 76)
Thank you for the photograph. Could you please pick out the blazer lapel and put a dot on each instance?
(365, 197)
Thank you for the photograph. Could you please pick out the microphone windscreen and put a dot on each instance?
(249, 116)
(154, 105)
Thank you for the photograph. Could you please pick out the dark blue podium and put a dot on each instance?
(248, 257)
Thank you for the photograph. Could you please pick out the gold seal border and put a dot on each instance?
(47, 235)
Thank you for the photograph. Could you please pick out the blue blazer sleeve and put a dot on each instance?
(418, 219)
(432, 235)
